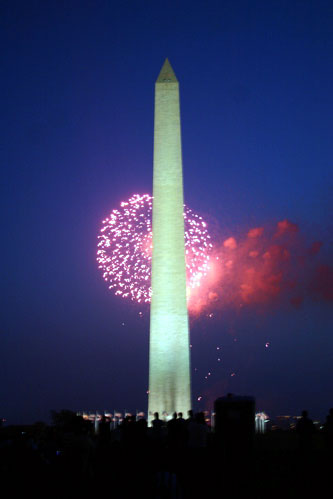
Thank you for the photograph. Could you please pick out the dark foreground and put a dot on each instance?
(130, 462)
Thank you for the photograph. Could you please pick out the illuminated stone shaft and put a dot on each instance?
(169, 355)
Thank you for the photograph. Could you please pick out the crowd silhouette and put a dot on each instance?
(175, 458)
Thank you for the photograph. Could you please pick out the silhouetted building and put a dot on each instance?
(235, 424)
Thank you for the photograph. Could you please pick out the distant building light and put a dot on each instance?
(261, 420)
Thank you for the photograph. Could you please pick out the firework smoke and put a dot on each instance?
(256, 269)
(262, 267)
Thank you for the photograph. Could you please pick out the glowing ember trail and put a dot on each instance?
(125, 244)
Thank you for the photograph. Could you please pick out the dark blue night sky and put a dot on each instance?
(77, 94)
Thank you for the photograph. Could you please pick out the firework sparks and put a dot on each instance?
(125, 247)
(255, 269)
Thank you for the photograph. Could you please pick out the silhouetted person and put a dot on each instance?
(328, 431)
(180, 417)
(172, 430)
(104, 429)
(157, 423)
(157, 433)
(181, 430)
(305, 430)
(190, 416)
(202, 431)
(197, 432)
(141, 425)
(128, 431)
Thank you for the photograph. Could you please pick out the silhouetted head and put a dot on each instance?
(156, 415)
(200, 418)
(180, 414)
(190, 413)
(305, 414)
(174, 415)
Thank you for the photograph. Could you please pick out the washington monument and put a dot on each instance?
(169, 354)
